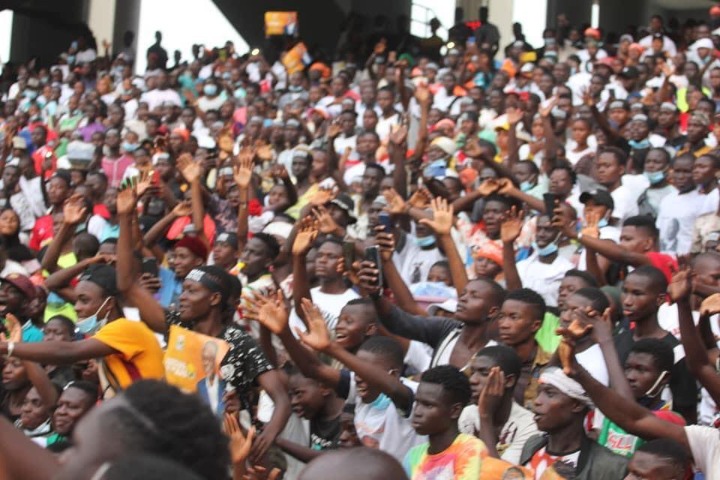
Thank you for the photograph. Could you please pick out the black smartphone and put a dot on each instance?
(386, 222)
(549, 199)
(150, 265)
(372, 254)
(348, 254)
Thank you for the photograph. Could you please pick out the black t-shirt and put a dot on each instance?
(682, 384)
(324, 434)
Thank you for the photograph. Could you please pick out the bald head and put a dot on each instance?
(354, 464)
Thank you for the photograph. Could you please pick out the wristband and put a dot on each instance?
(579, 236)
(10, 349)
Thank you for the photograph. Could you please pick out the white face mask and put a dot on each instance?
(90, 325)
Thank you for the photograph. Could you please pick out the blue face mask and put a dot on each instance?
(655, 177)
(547, 250)
(642, 144)
(525, 186)
(603, 222)
(129, 147)
(210, 89)
(435, 169)
(90, 325)
(31, 94)
(425, 242)
(382, 402)
(71, 59)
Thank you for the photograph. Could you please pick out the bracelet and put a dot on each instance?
(579, 236)
(10, 349)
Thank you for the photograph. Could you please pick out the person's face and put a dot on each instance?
(635, 239)
(580, 132)
(667, 118)
(57, 191)
(370, 119)
(639, 130)
(354, 326)
(256, 258)
(9, 223)
(638, 299)
(517, 323)
(608, 170)
(277, 195)
(326, 263)
(655, 162)
(641, 372)
(492, 216)
(703, 172)
(433, 411)
(34, 411)
(486, 268)
(89, 300)
(368, 393)
(224, 254)
(646, 466)
(553, 409)
(71, 406)
(439, 274)
(307, 396)
(37, 137)
(560, 183)
(14, 376)
(348, 435)
(196, 301)
(373, 212)
(696, 130)
(385, 100)
(474, 304)
(545, 233)
(110, 200)
(568, 286)
(11, 300)
(597, 210)
(300, 167)
(208, 360)
(371, 182)
(56, 331)
(682, 174)
(184, 260)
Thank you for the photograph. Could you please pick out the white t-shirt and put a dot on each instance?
(705, 448)
(155, 98)
(593, 361)
(330, 305)
(606, 233)
(676, 218)
(542, 277)
(386, 429)
(519, 427)
(625, 201)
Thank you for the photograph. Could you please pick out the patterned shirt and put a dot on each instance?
(460, 461)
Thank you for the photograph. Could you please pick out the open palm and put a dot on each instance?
(305, 237)
(317, 337)
(190, 169)
(126, 201)
(270, 311)
(511, 226)
(442, 220)
(74, 210)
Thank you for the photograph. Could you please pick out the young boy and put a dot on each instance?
(383, 401)
(440, 398)
(320, 408)
(520, 318)
(642, 295)
(512, 424)
(565, 450)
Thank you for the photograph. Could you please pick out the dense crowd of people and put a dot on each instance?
(427, 258)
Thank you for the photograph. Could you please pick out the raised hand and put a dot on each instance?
(420, 198)
(590, 228)
(126, 201)
(680, 286)
(512, 225)
(566, 350)
(492, 393)
(423, 95)
(325, 222)
(242, 171)
(306, 235)
(368, 275)
(74, 210)
(442, 221)
(588, 99)
(472, 148)
(505, 186)
(182, 209)
(398, 135)
(549, 105)
(269, 310)
(711, 305)
(240, 444)
(386, 243)
(396, 205)
(190, 169)
(144, 183)
(488, 187)
(258, 472)
(514, 115)
(322, 196)
(334, 130)
(317, 337)
(279, 172)
(14, 329)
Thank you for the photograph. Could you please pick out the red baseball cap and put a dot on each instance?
(22, 283)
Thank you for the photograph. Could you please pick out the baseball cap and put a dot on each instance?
(227, 237)
(449, 305)
(629, 72)
(668, 107)
(22, 283)
(346, 203)
(103, 276)
(601, 197)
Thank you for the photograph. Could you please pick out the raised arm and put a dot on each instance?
(398, 150)
(318, 338)
(242, 173)
(509, 232)
(151, 312)
(442, 224)
(192, 171)
(74, 212)
(395, 282)
(301, 246)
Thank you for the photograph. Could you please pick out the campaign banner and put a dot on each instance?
(192, 360)
(281, 23)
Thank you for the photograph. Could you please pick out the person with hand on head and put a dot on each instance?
(493, 415)
(383, 400)
(441, 396)
(205, 306)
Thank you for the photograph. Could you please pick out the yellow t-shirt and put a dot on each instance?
(140, 356)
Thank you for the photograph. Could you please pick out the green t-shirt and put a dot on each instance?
(546, 336)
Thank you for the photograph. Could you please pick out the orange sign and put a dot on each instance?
(192, 358)
(280, 23)
(293, 59)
